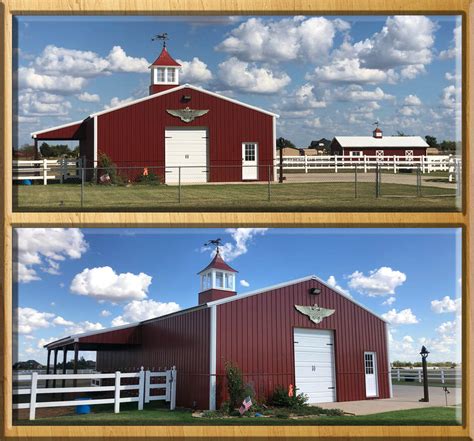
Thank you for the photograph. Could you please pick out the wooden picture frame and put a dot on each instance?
(10, 219)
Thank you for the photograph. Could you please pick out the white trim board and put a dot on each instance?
(175, 89)
(212, 357)
(288, 283)
(34, 134)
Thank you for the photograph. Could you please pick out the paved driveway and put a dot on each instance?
(404, 397)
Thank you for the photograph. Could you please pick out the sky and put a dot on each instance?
(324, 76)
(69, 281)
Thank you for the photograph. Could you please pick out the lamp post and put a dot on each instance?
(424, 355)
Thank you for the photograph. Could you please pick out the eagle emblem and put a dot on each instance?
(315, 313)
(187, 115)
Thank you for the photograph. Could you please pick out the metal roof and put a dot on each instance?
(386, 141)
(218, 263)
(165, 59)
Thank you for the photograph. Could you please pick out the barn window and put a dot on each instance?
(219, 279)
(249, 152)
(229, 281)
(160, 75)
(355, 153)
(171, 75)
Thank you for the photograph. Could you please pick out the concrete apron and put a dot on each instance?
(404, 397)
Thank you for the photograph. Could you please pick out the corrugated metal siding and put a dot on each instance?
(257, 333)
(130, 336)
(134, 136)
(66, 133)
(182, 341)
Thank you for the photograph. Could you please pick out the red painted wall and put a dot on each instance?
(336, 149)
(181, 340)
(257, 333)
(135, 135)
(74, 131)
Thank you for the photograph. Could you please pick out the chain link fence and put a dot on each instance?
(220, 187)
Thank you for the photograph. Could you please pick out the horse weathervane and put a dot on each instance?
(376, 123)
(163, 37)
(215, 242)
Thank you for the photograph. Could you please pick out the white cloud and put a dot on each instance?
(30, 320)
(244, 283)
(451, 97)
(313, 123)
(273, 41)
(88, 97)
(103, 283)
(242, 237)
(194, 71)
(412, 100)
(60, 321)
(379, 282)
(350, 70)
(28, 78)
(409, 111)
(119, 61)
(446, 304)
(115, 101)
(403, 317)
(356, 92)
(456, 45)
(302, 98)
(412, 71)
(390, 301)
(86, 326)
(44, 341)
(105, 313)
(139, 310)
(40, 246)
(42, 104)
(247, 77)
(332, 282)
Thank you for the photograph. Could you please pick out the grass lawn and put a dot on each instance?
(431, 383)
(152, 415)
(327, 196)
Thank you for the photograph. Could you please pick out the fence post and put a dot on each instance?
(34, 386)
(418, 181)
(45, 172)
(168, 386)
(117, 392)
(173, 388)
(147, 386)
(377, 179)
(398, 374)
(141, 383)
(355, 181)
(269, 184)
(419, 375)
(179, 184)
(305, 164)
(365, 164)
(458, 177)
(394, 164)
(82, 185)
(335, 163)
(442, 376)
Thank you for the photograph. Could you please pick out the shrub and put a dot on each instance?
(150, 178)
(235, 386)
(106, 166)
(280, 398)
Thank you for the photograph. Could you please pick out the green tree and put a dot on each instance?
(282, 143)
(447, 146)
(431, 141)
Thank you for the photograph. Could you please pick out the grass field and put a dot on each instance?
(158, 416)
(330, 196)
(431, 383)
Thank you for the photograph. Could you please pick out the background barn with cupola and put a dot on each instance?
(213, 138)
(337, 353)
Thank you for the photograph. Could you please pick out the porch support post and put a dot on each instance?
(47, 365)
(76, 356)
(55, 365)
(64, 364)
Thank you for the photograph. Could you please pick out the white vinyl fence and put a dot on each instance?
(143, 388)
(46, 169)
(442, 376)
(427, 164)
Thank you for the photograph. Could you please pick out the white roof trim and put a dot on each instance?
(386, 141)
(76, 337)
(174, 89)
(33, 134)
(292, 282)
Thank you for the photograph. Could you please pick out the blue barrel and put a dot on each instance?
(26, 182)
(82, 409)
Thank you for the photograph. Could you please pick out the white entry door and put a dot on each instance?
(370, 365)
(315, 373)
(186, 148)
(249, 160)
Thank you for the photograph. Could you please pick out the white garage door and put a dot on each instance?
(314, 364)
(186, 149)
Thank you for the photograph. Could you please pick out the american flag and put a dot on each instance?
(246, 404)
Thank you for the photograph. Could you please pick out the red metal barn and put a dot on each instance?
(337, 351)
(379, 145)
(213, 138)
